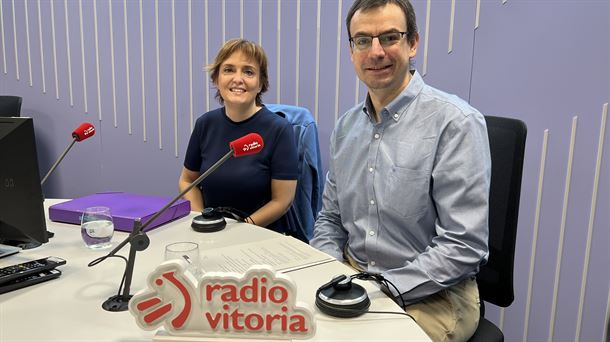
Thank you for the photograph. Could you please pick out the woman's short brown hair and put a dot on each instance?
(251, 50)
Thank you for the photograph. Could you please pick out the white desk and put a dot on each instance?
(69, 308)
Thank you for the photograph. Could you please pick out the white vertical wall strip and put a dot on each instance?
(241, 18)
(207, 59)
(27, 41)
(54, 50)
(501, 319)
(451, 25)
(224, 21)
(298, 53)
(426, 35)
(477, 16)
(530, 281)
(606, 320)
(127, 72)
(338, 61)
(68, 53)
(260, 22)
(279, 48)
(318, 15)
(82, 52)
(142, 83)
(111, 25)
(42, 69)
(190, 29)
(97, 62)
(2, 35)
(598, 162)
(504, 1)
(564, 213)
(15, 41)
(158, 74)
(175, 96)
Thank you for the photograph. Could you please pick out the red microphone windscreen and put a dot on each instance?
(84, 131)
(248, 144)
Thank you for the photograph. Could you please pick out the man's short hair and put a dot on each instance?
(405, 5)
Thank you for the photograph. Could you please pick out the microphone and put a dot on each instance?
(248, 144)
(82, 132)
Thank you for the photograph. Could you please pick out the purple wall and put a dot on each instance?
(543, 62)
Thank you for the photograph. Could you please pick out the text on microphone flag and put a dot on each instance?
(248, 144)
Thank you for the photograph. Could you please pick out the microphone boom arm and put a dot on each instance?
(58, 161)
(139, 242)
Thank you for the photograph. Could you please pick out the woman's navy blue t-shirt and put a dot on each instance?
(242, 183)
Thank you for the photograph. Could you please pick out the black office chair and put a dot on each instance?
(495, 279)
(10, 106)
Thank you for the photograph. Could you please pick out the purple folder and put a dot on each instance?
(124, 208)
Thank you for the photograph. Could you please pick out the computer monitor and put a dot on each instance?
(22, 219)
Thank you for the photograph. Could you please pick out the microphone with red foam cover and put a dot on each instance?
(248, 144)
(84, 131)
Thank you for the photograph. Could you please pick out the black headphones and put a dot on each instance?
(340, 297)
(213, 219)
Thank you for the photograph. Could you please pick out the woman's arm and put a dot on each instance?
(187, 177)
(282, 194)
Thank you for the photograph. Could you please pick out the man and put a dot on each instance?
(407, 190)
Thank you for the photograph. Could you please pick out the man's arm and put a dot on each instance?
(460, 191)
(329, 235)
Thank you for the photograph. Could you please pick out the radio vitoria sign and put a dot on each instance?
(258, 304)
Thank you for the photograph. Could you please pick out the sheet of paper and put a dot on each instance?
(6, 250)
(283, 253)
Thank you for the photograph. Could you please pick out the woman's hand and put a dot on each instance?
(282, 194)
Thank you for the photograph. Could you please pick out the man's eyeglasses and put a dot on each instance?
(362, 43)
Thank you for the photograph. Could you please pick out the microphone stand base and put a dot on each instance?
(117, 303)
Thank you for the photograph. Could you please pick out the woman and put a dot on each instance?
(261, 185)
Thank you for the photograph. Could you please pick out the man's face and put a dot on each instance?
(382, 68)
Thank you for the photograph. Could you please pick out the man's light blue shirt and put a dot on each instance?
(408, 197)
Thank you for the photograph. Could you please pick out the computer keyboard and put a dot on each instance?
(29, 280)
(29, 268)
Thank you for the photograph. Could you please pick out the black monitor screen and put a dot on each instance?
(22, 220)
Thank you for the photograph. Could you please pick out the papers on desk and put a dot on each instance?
(283, 253)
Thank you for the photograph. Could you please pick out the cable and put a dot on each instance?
(382, 281)
(124, 272)
(392, 312)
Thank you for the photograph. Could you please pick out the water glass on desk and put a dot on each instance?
(97, 227)
(187, 251)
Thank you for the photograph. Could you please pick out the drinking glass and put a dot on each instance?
(187, 251)
(97, 227)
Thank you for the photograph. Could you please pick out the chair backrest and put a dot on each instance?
(507, 146)
(301, 216)
(10, 106)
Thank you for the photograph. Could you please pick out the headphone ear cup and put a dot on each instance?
(343, 301)
(209, 221)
